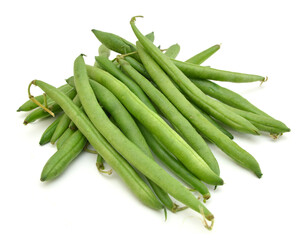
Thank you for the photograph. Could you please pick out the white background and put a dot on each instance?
(41, 39)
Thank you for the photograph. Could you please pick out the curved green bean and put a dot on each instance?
(171, 140)
(119, 164)
(47, 134)
(64, 156)
(174, 116)
(238, 154)
(204, 55)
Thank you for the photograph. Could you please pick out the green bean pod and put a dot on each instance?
(173, 51)
(119, 164)
(200, 72)
(30, 105)
(100, 163)
(174, 116)
(129, 128)
(102, 51)
(68, 132)
(204, 55)
(171, 140)
(41, 113)
(238, 154)
(64, 123)
(173, 164)
(47, 134)
(138, 66)
(64, 156)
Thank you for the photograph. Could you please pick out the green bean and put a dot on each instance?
(30, 105)
(204, 55)
(64, 156)
(129, 128)
(212, 107)
(263, 123)
(138, 66)
(100, 163)
(173, 51)
(226, 96)
(174, 116)
(109, 67)
(41, 113)
(195, 117)
(217, 125)
(119, 164)
(47, 134)
(173, 164)
(171, 140)
(64, 123)
(125, 147)
(68, 132)
(200, 72)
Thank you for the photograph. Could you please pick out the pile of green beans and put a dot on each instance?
(144, 112)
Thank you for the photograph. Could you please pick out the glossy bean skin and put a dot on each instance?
(72, 147)
(204, 55)
(47, 134)
(130, 151)
(154, 123)
(68, 132)
(173, 164)
(238, 154)
(117, 163)
(64, 123)
(130, 129)
(174, 116)
(109, 67)
(213, 108)
(200, 72)
(173, 51)
(54, 107)
(30, 105)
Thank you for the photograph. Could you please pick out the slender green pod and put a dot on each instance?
(130, 129)
(173, 51)
(263, 123)
(138, 66)
(214, 108)
(109, 67)
(68, 132)
(216, 124)
(47, 134)
(174, 116)
(204, 55)
(30, 105)
(202, 124)
(100, 163)
(118, 163)
(173, 164)
(41, 113)
(201, 72)
(64, 156)
(64, 123)
(171, 140)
